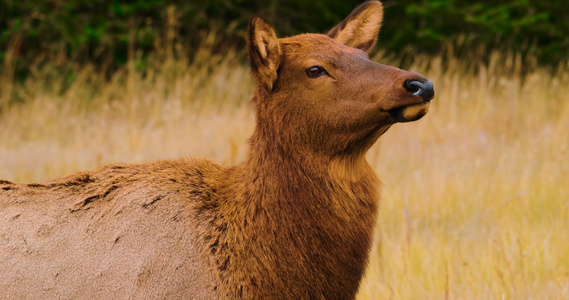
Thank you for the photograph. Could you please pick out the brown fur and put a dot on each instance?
(294, 221)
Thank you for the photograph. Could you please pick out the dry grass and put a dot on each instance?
(475, 202)
(476, 197)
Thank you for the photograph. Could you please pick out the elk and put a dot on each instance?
(293, 221)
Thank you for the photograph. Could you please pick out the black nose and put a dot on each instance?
(423, 90)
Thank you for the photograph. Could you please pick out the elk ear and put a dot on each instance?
(264, 52)
(360, 28)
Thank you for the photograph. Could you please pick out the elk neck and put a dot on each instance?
(285, 168)
(300, 196)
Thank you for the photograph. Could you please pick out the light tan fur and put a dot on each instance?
(293, 221)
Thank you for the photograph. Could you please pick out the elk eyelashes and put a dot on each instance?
(315, 71)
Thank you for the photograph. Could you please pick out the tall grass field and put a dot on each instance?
(475, 201)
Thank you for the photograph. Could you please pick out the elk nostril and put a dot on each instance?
(419, 89)
(412, 86)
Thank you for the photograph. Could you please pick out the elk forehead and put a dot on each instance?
(312, 45)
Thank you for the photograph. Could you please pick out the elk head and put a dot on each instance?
(321, 92)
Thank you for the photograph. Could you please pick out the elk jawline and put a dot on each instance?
(409, 113)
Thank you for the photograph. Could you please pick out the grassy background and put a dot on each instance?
(109, 33)
(475, 199)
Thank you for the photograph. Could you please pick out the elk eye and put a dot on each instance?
(315, 71)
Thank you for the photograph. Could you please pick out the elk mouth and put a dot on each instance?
(410, 112)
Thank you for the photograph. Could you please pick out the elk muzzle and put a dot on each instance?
(421, 88)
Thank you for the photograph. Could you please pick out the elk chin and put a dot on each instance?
(410, 113)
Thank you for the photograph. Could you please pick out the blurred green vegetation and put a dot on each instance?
(107, 33)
